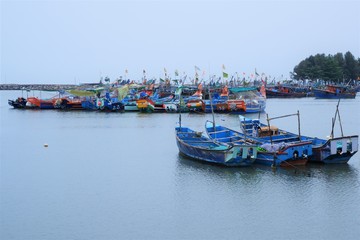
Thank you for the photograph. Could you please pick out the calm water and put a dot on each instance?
(119, 176)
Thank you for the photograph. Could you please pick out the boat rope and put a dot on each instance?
(306, 173)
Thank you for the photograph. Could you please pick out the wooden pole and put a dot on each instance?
(334, 119)
(342, 133)
(268, 121)
(299, 125)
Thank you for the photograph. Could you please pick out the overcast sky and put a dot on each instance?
(81, 41)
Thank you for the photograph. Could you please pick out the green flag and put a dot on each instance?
(225, 75)
(178, 91)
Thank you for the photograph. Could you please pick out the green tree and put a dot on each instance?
(334, 68)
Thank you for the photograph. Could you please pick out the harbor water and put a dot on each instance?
(93, 175)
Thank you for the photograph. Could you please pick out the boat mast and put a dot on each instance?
(268, 120)
(180, 111)
(334, 120)
(212, 109)
(298, 113)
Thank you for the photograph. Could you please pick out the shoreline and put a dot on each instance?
(44, 87)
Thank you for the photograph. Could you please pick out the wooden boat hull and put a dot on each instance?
(195, 105)
(293, 153)
(145, 105)
(196, 146)
(319, 93)
(41, 103)
(236, 106)
(277, 94)
(336, 150)
(89, 104)
(68, 104)
(131, 106)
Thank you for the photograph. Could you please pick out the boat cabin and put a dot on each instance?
(268, 131)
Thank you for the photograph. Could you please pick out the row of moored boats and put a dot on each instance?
(151, 99)
(260, 143)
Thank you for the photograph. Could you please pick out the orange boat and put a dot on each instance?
(41, 103)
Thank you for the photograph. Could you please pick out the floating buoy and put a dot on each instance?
(46, 145)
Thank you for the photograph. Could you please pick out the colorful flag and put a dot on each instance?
(225, 75)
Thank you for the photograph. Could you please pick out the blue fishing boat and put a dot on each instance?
(277, 153)
(89, 103)
(334, 92)
(197, 146)
(332, 150)
(108, 103)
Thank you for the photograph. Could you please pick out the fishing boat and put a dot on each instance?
(145, 105)
(255, 101)
(334, 92)
(237, 106)
(277, 153)
(332, 150)
(283, 91)
(20, 102)
(35, 102)
(109, 104)
(89, 103)
(130, 105)
(220, 103)
(68, 103)
(177, 103)
(195, 145)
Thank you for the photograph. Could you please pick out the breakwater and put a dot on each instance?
(43, 87)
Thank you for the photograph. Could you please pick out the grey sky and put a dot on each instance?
(79, 41)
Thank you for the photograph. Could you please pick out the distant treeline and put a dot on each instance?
(330, 68)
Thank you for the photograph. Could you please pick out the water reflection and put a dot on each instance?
(256, 173)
